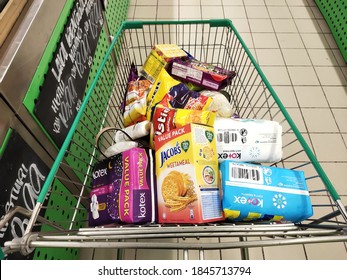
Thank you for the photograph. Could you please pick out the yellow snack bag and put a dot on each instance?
(166, 119)
(135, 102)
(160, 88)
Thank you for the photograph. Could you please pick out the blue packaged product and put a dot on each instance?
(255, 192)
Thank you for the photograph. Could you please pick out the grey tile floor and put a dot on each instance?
(295, 48)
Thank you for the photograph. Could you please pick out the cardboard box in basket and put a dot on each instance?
(187, 175)
(159, 58)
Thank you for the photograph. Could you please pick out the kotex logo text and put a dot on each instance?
(234, 155)
(257, 202)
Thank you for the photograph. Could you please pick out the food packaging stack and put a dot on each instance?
(197, 162)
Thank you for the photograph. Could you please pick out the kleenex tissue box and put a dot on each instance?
(255, 192)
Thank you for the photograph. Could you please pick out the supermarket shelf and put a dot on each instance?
(335, 14)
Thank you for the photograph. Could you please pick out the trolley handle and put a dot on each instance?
(23, 211)
(212, 22)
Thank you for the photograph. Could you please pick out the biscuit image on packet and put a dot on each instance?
(178, 191)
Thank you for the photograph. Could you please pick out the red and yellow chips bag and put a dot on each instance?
(166, 119)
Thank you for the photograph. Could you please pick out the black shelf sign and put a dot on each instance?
(22, 174)
(62, 91)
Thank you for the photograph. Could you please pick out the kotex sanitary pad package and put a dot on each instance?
(255, 192)
(137, 194)
(106, 181)
(248, 140)
(123, 189)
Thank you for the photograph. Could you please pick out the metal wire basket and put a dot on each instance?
(213, 41)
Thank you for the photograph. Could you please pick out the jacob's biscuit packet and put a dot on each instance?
(187, 175)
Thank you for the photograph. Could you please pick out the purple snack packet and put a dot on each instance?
(133, 76)
(181, 95)
(200, 73)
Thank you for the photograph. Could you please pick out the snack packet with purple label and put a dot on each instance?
(181, 97)
(200, 73)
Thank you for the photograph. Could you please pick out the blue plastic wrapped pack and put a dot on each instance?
(255, 192)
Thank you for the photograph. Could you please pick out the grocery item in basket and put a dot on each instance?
(133, 76)
(254, 192)
(180, 96)
(166, 119)
(135, 102)
(187, 176)
(133, 132)
(119, 148)
(160, 88)
(220, 104)
(106, 180)
(248, 140)
(123, 189)
(159, 58)
(137, 197)
(200, 73)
